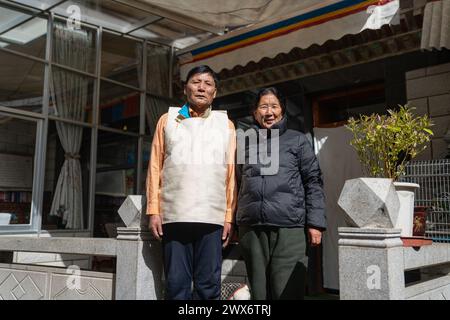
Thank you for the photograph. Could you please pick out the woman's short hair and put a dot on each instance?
(265, 91)
(203, 69)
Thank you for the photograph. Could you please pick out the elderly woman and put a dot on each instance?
(275, 209)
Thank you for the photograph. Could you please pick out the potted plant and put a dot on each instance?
(384, 145)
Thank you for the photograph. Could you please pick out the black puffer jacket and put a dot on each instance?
(293, 197)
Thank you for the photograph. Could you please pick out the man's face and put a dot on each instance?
(200, 90)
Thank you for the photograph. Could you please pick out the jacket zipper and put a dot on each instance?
(262, 200)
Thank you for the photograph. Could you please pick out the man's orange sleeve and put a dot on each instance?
(155, 167)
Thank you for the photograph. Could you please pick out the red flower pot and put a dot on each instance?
(419, 222)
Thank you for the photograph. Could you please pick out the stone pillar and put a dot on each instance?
(371, 265)
(139, 256)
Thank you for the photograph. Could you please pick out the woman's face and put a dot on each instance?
(268, 111)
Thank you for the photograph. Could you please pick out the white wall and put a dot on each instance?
(428, 89)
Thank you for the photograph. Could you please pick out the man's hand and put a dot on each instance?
(315, 236)
(156, 226)
(227, 233)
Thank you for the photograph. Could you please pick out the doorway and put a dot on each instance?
(338, 162)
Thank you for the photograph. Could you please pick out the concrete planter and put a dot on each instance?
(405, 191)
(370, 203)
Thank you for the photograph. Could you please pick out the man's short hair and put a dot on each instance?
(203, 69)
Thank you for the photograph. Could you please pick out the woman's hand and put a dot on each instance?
(315, 236)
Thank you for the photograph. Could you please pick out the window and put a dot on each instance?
(119, 107)
(116, 177)
(158, 62)
(23, 33)
(121, 59)
(71, 95)
(38, 4)
(74, 47)
(335, 109)
(55, 112)
(17, 158)
(21, 83)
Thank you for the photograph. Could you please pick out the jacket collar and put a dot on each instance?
(280, 125)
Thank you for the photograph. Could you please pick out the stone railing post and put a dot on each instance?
(139, 260)
(371, 262)
(371, 265)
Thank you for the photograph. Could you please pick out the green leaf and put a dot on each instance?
(380, 140)
(428, 131)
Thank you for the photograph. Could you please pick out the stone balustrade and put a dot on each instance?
(373, 262)
(138, 273)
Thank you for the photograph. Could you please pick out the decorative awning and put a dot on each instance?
(436, 25)
(316, 24)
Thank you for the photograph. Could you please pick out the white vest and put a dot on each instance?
(195, 168)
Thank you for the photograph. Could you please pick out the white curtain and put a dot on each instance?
(339, 162)
(158, 83)
(69, 92)
(158, 70)
(436, 25)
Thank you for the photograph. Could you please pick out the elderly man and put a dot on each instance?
(191, 189)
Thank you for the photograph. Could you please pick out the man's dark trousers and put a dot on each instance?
(192, 253)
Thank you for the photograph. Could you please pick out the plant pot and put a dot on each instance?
(419, 222)
(405, 191)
